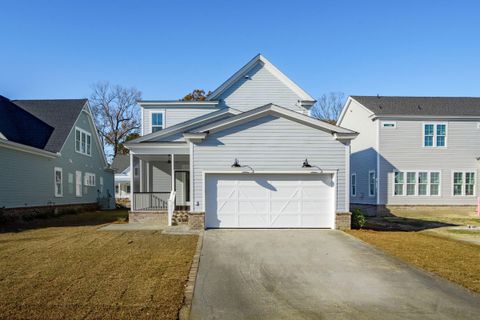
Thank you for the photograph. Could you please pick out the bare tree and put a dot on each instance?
(115, 112)
(196, 95)
(329, 106)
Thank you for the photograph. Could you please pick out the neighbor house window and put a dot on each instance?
(101, 185)
(389, 124)
(58, 182)
(89, 179)
(398, 184)
(353, 185)
(416, 183)
(411, 183)
(434, 135)
(70, 183)
(371, 183)
(463, 183)
(83, 142)
(157, 121)
(78, 183)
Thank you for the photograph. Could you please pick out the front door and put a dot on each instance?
(182, 187)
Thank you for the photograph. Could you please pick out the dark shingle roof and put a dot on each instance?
(421, 106)
(120, 162)
(59, 114)
(19, 126)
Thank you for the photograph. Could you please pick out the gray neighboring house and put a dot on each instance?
(50, 155)
(413, 150)
(249, 156)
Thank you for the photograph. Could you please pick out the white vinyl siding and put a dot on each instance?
(172, 115)
(363, 154)
(259, 88)
(83, 142)
(402, 150)
(58, 176)
(256, 144)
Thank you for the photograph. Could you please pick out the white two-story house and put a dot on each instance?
(249, 156)
(413, 150)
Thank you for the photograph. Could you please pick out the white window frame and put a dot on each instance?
(435, 124)
(353, 185)
(370, 194)
(78, 184)
(151, 120)
(389, 124)
(464, 182)
(88, 147)
(90, 179)
(417, 184)
(55, 170)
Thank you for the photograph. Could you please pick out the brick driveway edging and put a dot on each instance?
(184, 313)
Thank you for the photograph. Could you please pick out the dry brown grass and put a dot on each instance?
(74, 271)
(456, 261)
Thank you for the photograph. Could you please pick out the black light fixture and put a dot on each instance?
(236, 164)
(306, 164)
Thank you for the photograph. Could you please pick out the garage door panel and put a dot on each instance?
(269, 201)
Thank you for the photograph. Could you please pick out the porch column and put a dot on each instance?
(173, 171)
(141, 176)
(132, 173)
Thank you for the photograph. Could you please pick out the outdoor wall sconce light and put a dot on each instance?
(306, 164)
(236, 164)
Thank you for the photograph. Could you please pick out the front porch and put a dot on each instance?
(160, 188)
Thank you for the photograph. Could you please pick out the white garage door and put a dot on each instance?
(269, 201)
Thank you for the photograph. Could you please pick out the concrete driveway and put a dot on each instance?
(316, 274)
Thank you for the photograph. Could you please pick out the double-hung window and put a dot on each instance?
(83, 142)
(416, 183)
(434, 135)
(89, 179)
(157, 121)
(463, 183)
(353, 185)
(371, 183)
(58, 182)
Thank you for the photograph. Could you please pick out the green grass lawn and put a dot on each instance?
(65, 268)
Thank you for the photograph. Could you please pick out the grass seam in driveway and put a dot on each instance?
(435, 276)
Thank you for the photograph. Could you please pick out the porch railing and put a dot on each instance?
(150, 201)
(171, 206)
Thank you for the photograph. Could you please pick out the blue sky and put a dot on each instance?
(58, 49)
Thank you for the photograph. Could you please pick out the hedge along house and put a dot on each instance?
(247, 157)
(51, 156)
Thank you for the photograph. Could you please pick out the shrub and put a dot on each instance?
(358, 219)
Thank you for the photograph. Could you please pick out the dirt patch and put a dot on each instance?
(67, 269)
(454, 260)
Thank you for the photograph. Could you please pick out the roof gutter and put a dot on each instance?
(24, 148)
(176, 103)
(394, 116)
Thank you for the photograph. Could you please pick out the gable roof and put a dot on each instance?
(304, 96)
(186, 125)
(17, 125)
(121, 162)
(59, 114)
(272, 109)
(421, 106)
